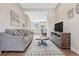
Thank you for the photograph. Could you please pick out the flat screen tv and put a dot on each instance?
(59, 27)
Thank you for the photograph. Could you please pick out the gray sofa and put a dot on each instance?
(15, 39)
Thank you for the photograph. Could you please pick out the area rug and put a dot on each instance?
(50, 50)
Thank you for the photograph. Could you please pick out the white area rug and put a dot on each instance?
(50, 50)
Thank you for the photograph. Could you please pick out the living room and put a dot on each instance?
(14, 19)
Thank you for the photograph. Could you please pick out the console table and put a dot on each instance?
(62, 40)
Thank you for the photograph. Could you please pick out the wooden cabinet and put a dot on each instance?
(62, 40)
(65, 40)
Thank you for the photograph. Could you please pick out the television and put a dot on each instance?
(59, 27)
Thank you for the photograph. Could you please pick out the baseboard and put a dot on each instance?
(75, 50)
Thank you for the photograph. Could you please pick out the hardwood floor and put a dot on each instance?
(35, 50)
(69, 52)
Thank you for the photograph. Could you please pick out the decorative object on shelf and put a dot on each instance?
(71, 13)
(14, 18)
(77, 8)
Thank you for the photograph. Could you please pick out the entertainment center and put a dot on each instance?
(60, 38)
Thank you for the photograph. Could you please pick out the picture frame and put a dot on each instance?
(77, 9)
(71, 13)
(14, 18)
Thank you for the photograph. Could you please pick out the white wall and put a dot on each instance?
(70, 25)
(50, 21)
(5, 15)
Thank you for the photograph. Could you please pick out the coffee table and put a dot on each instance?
(42, 40)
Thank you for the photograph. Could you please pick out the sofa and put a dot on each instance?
(15, 39)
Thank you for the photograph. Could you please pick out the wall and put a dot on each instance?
(5, 15)
(50, 21)
(70, 25)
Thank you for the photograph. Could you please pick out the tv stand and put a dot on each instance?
(62, 40)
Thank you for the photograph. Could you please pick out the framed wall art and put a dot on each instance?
(14, 18)
(71, 13)
(77, 8)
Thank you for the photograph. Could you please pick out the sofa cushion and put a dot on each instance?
(10, 32)
(20, 32)
(13, 32)
(17, 32)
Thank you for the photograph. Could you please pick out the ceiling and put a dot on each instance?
(37, 11)
(28, 6)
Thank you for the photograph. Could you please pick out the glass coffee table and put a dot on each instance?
(42, 40)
